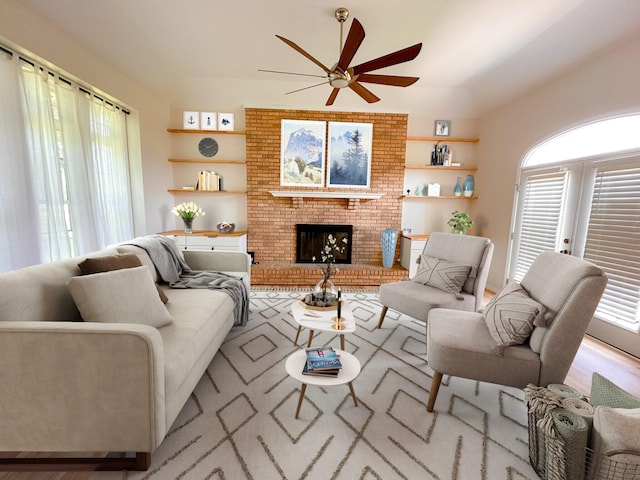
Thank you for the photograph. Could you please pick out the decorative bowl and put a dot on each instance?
(224, 227)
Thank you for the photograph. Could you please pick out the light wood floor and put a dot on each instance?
(596, 356)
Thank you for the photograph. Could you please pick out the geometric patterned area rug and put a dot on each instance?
(239, 422)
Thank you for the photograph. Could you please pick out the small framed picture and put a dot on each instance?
(225, 121)
(208, 121)
(442, 128)
(191, 121)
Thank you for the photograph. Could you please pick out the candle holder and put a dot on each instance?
(338, 325)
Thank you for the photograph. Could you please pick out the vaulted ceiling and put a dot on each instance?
(490, 50)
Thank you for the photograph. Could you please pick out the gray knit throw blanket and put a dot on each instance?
(172, 268)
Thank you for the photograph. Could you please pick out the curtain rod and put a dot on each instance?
(83, 89)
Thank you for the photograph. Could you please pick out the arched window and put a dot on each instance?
(604, 137)
(579, 193)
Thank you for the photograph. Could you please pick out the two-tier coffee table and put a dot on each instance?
(322, 320)
(349, 371)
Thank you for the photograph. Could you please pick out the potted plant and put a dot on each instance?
(460, 221)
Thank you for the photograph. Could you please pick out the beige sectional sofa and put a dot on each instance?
(68, 385)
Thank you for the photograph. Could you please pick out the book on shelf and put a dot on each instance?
(209, 181)
(322, 358)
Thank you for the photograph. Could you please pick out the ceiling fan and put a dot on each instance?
(341, 75)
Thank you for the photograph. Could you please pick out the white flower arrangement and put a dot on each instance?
(188, 211)
(328, 255)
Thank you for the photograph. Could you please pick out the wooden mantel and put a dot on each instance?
(298, 196)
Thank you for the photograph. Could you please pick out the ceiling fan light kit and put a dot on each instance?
(341, 75)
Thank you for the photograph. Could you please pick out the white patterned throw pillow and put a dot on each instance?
(442, 274)
(510, 316)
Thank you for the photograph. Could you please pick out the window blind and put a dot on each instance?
(612, 243)
(541, 215)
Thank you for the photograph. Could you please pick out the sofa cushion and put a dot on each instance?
(121, 296)
(510, 316)
(441, 274)
(202, 318)
(114, 262)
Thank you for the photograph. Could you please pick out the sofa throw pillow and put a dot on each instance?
(114, 262)
(127, 295)
(510, 316)
(606, 393)
(442, 274)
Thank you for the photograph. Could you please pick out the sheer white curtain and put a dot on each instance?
(44, 157)
(19, 216)
(67, 169)
(97, 168)
(111, 158)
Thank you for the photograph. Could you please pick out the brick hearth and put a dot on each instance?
(307, 275)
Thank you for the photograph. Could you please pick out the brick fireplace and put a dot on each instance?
(272, 219)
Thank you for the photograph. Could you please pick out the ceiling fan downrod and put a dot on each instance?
(341, 15)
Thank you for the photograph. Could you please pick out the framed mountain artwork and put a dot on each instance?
(350, 154)
(302, 153)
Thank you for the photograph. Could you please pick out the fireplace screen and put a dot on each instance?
(311, 239)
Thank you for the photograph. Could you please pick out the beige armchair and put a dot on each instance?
(468, 344)
(437, 288)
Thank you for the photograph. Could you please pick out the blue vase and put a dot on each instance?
(389, 239)
(469, 186)
(457, 190)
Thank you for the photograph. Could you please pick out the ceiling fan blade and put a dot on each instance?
(292, 73)
(306, 88)
(400, 56)
(393, 80)
(351, 44)
(301, 51)
(332, 97)
(366, 94)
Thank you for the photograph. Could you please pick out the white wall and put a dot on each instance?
(604, 87)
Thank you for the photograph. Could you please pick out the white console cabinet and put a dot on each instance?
(209, 240)
(411, 247)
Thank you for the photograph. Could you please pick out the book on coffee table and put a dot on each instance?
(332, 372)
(322, 358)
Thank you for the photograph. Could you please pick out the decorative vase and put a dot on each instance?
(188, 225)
(325, 294)
(389, 239)
(457, 190)
(469, 186)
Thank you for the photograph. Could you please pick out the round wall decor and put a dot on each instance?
(208, 147)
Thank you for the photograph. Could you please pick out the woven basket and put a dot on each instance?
(536, 444)
(616, 465)
(540, 401)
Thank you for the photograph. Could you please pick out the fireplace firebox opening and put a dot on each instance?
(311, 239)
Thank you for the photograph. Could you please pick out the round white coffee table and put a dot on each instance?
(323, 320)
(349, 371)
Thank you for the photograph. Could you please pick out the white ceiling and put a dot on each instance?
(491, 50)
